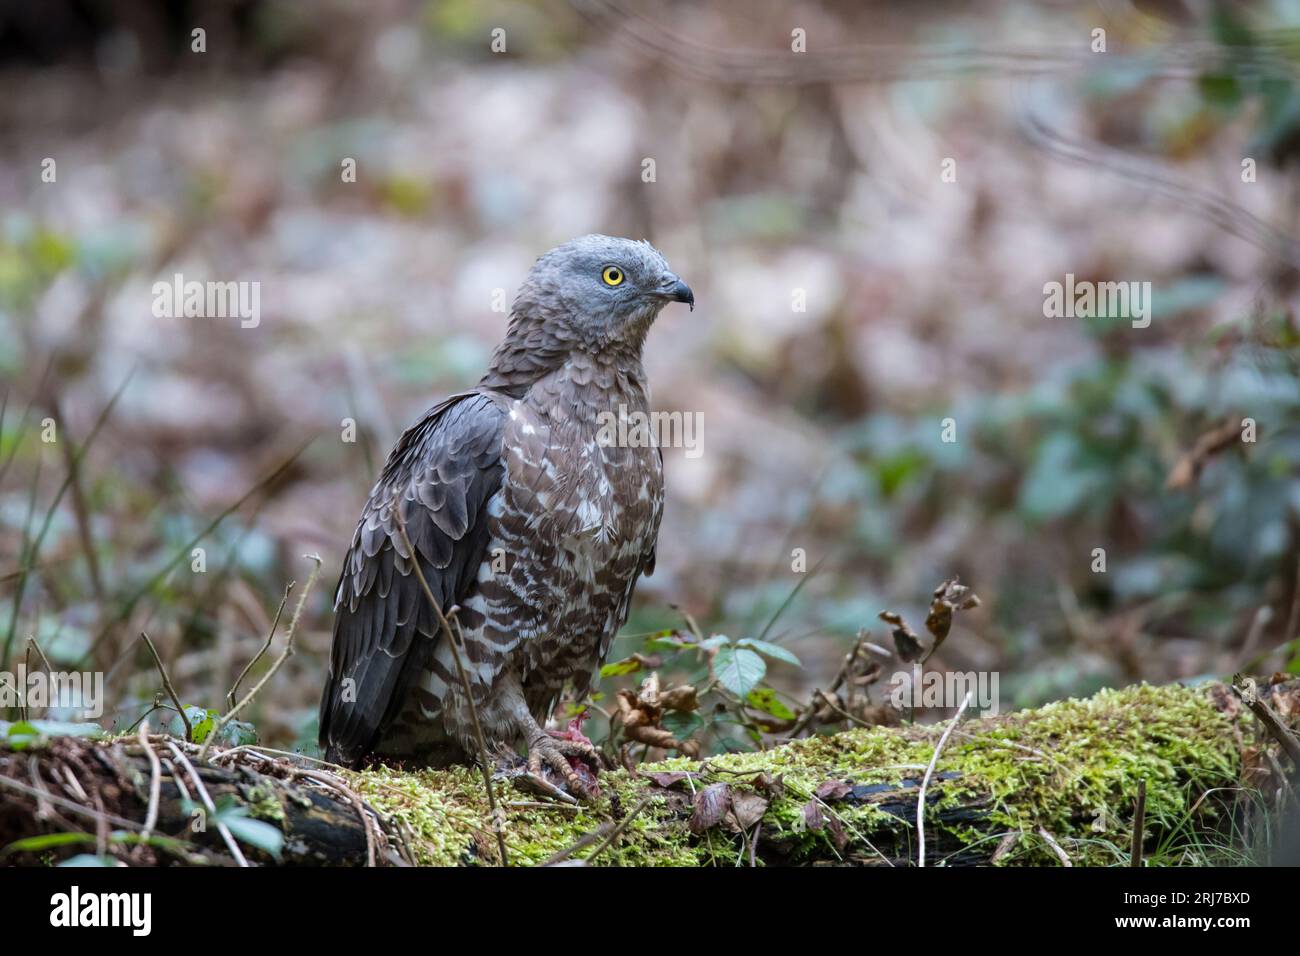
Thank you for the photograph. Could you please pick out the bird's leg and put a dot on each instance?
(581, 753)
(576, 761)
(567, 754)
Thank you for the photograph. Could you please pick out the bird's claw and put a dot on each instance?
(529, 782)
(576, 762)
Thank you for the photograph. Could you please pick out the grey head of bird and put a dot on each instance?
(599, 291)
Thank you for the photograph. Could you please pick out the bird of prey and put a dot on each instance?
(526, 520)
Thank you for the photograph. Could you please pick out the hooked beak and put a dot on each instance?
(677, 291)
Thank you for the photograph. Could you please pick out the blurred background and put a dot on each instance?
(775, 174)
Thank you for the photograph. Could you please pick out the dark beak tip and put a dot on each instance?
(681, 292)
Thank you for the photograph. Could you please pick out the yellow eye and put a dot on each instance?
(612, 275)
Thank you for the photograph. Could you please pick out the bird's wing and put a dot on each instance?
(443, 472)
(648, 558)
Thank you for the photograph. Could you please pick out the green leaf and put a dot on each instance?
(765, 699)
(203, 726)
(667, 640)
(246, 829)
(238, 733)
(768, 649)
(201, 722)
(46, 841)
(1220, 89)
(717, 640)
(681, 724)
(23, 733)
(628, 665)
(738, 669)
(257, 833)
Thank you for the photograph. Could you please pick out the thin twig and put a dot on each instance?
(36, 644)
(74, 785)
(1275, 726)
(586, 840)
(167, 685)
(32, 549)
(234, 689)
(155, 782)
(622, 825)
(23, 710)
(23, 550)
(284, 656)
(549, 806)
(925, 782)
(73, 463)
(1005, 846)
(202, 791)
(1056, 847)
(497, 816)
(999, 742)
(1139, 821)
(128, 605)
(64, 802)
(353, 798)
(264, 752)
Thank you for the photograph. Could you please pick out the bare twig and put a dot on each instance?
(42, 794)
(155, 782)
(24, 711)
(1139, 821)
(234, 689)
(1011, 744)
(497, 814)
(279, 661)
(167, 685)
(202, 791)
(129, 604)
(368, 824)
(1270, 720)
(622, 825)
(925, 782)
(72, 461)
(264, 752)
(1005, 846)
(1056, 847)
(586, 840)
(1188, 467)
(45, 660)
(32, 549)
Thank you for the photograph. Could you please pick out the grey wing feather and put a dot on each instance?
(646, 566)
(648, 559)
(442, 473)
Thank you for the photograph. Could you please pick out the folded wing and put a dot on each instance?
(441, 475)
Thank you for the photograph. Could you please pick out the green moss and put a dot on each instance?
(1071, 768)
(264, 802)
(449, 822)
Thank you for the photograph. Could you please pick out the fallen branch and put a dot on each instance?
(1043, 786)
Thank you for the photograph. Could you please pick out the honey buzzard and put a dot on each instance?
(521, 515)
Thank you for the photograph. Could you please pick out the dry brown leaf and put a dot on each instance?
(711, 805)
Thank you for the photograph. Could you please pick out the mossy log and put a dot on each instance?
(102, 790)
(1046, 786)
